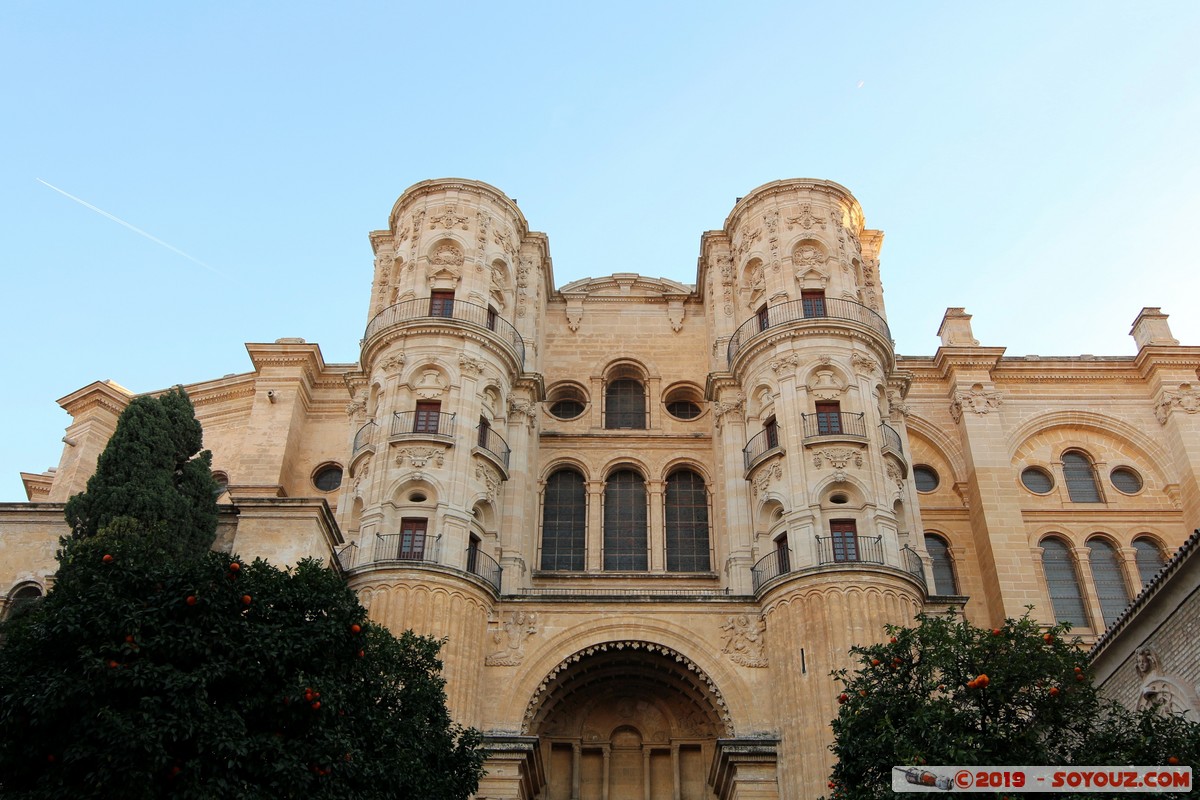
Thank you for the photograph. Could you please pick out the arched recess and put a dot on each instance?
(924, 435)
(1115, 433)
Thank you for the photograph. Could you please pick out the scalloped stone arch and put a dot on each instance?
(719, 706)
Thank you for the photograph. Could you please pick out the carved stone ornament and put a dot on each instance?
(1187, 399)
(806, 219)
(392, 363)
(490, 478)
(504, 240)
(863, 364)
(725, 265)
(1145, 661)
(448, 219)
(468, 364)
(675, 314)
(447, 254)
(519, 406)
(838, 457)
(511, 634)
(762, 480)
(895, 476)
(358, 405)
(362, 470)
(745, 640)
(808, 256)
(897, 408)
(420, 457)
(785, 364)
(430, 386)
(736, 405)
(574, 313)
(977, 400)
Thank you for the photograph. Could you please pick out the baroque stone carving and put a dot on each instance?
(978, 400)
(468, 364)
(519, 406)
(745, 640)
(420, 457)
(448, 219)
(897, 408)
(358, 405)
(838, 457)
(447, 254)
(806, 219)
(735, 405)
(511, 634)
(790, 361)
(863, 364)
(490, 478)
(894, 475)
(360, 474)
(763, 479)
(1187, 399)
(392, 363)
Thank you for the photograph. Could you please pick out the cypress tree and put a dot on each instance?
(154, 476)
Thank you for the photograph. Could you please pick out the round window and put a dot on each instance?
(1126, 480)
(566, 409)
(839, 499)
(926, 478)
(1037, 480)
(683, 409)
(328, 478)
(222, 481)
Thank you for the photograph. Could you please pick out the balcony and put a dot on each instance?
(364, 436)
(493, 444)
(843, 424)
(407, 550)
(808, 310)
(423, 425)
(471, 314)
(836, 551)
(891, 439)
(763, 444)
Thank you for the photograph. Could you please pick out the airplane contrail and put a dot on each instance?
(120, 221)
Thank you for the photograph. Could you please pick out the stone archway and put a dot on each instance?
(627, 720)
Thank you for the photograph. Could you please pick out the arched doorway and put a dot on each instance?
(627, 720)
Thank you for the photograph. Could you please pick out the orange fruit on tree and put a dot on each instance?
(356, 628)
(843, 697)
(1054, 691)
(191, 600)
(1173, 760)
(234, 567)
(108, 559)
(246, 599)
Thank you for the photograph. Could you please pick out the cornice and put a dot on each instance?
(443, 326)
(1155, 357)
(429, 188)
(947, 358)
(662, 289)
(99, 394)
(789, 186)
(805, 327)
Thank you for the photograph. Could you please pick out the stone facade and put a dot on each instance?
(649, 517)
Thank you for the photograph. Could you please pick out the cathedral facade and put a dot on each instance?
(650, 518)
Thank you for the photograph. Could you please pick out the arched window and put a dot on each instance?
(625, 521)
(1149, 558)
(564, 521)
(687, 523)
(22, 597)
(625, 404)
(1066, 599)
(1080, 476)
(1110, 583)
(944, 581)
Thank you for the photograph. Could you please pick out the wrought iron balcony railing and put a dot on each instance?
(834, 423)
(771, 566)
(481, 564)
(765, 441)
(848, 548)
(891, 439)
(460, 310)
(364, 436)
(808, 309)
(487, 438)
(423, 424)
(912, 563)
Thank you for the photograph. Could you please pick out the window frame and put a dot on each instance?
(1055, 578)
(569, 530)
(427, 416)
(1079, 475)
(626, 522)
(414, 534)
(441, 303)
(843, 541)
(945, 566)
(619, 392)
(829, 417)
(687, 541)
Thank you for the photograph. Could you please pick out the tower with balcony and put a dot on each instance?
(441, 417)
(823, 519)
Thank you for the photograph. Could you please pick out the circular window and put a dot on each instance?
(839, 499)
(1037, 480)
(416, 497)
(1126, 480)
(683, 409)
(566, 409)
(328, 478)
(926, 478)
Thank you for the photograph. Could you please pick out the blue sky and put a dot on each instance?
(1033, 162)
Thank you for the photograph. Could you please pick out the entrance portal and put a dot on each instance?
(628, 722)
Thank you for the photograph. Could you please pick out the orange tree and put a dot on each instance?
(947, 693)
(155, 667)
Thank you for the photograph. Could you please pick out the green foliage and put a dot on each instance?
(919, 699)
(149, 674)
(150, 472)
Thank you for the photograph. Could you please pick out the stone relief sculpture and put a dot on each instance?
(511, 635)
(745, 640)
